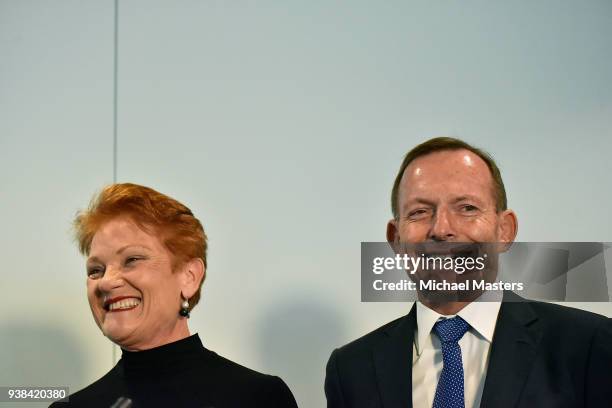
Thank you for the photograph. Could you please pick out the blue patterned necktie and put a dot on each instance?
(449, 393)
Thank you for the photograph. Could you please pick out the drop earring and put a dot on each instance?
(184, 309)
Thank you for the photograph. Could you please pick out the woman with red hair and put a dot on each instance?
(146, 261)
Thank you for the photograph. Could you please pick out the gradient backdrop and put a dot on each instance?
(281, 124)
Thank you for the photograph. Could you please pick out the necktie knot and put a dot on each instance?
(451, 330)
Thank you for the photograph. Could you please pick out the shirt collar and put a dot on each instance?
(481, 315)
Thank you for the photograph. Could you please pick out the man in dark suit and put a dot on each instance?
(502, 353)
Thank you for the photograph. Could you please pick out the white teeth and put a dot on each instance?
(442, 257)
(124, 304)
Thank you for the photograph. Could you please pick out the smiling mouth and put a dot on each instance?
(449, 249)
(452, 255)
(121, 304)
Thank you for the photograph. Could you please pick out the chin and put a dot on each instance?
(117, 334)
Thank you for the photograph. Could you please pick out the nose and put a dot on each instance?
(112, 279)
(442, 226)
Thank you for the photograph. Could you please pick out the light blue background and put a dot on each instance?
(282, 125)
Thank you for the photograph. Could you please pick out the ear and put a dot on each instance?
(508, 227)
(392, 231)
(192, 273)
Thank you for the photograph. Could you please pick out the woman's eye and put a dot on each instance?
(131, 259)
(94, 273)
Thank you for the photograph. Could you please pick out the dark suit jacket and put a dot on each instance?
(542, 355)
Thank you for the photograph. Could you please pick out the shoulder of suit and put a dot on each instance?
(564, 323)
(567, 314)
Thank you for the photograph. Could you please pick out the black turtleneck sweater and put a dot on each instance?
(182, 374)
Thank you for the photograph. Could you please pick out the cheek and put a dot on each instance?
(481, 229)
(94, 303)
(163, 295)
(414, 231)
(91, 293)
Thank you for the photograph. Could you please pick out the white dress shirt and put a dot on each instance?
(475, 344)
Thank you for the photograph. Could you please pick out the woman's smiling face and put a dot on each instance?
(133, 293)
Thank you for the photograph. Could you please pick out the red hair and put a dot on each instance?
(156, 213)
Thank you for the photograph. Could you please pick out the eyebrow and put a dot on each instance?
(465, 198)
(421, 200)
(416, 200)
(119, 251)
(123, 248)
(93, 259)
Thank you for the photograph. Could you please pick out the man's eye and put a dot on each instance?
(416, 214)
(468, 208)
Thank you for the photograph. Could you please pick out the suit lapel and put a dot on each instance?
(393, 362)
(512, 353)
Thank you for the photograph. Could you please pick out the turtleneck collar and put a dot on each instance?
(167, 357)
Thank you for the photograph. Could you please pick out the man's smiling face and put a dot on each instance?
(448, 196)
(448, 208)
